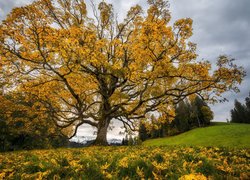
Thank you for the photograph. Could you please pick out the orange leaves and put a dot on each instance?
(184, 27)
(134, 11)
(159, 9)
(224, 73)
(106, 12)
(81, 7)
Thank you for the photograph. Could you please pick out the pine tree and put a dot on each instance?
(143, 134)
(202, 113)
(241, 112)
(247, 100)
(182, 119)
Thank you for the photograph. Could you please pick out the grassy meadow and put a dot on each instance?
(218, 135)
(217, 152)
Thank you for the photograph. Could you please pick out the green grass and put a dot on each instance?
(219, 134)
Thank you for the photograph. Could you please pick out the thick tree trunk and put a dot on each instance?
(103, 124)
(101, 139)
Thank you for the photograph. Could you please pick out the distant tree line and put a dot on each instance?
(129, 140)
(241, 112)
(189, 114)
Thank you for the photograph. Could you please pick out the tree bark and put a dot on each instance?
(101, 139)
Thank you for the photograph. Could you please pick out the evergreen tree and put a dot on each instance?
(130, 140)
(248, 102)
(248, 108)
(201, 112)
(4, 137)
(207, 115)
(241, 112)
(189, 114)
(182, 118)
(125, 140)
(143, 134)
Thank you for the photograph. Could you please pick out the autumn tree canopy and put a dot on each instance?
(92, 70)
(22, 126)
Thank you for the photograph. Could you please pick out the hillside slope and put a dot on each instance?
(219, 135)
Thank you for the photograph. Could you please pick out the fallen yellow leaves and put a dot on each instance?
(127, 163)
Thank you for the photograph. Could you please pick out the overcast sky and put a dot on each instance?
(220, 27)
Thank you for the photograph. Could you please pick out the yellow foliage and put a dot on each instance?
(126, 163)
(88, 68)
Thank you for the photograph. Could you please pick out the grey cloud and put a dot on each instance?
(7, 5)
(220, 27)
(5, 8)
(216, 22)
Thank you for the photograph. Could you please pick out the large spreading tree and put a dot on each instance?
(95, 69)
